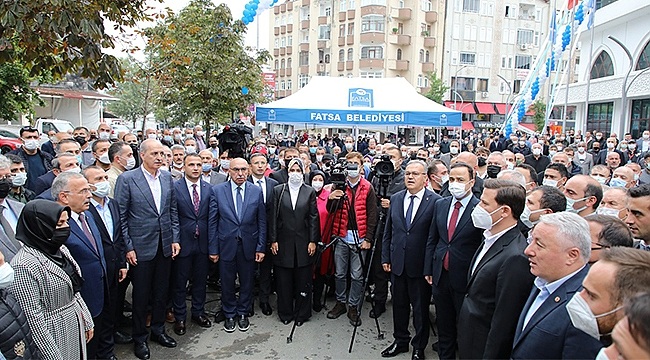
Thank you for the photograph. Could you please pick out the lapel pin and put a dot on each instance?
(557, 299)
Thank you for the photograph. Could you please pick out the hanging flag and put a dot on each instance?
(591, 5)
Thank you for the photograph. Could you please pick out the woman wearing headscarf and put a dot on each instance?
(47, 281)
(325, 266)
(294, 231)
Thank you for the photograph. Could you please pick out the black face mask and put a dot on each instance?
(493, 170)
(481, 161)
(80, 139)
(5, 186)
(596, 149)
(60, 236)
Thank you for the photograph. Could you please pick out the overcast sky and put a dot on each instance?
(236, 7)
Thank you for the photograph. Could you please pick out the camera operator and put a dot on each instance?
(355, 218)
(395, 185)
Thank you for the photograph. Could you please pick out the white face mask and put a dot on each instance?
(525, 216)
(6, 275)
(104, 159)
(317, 185)
(349, 146)
(617, 182)
(75, 170)
(19, 179)
(550, 182)
(225, 164)
(570, 203)
(103, 188)
(510, 165)
(190, 149)
(610, 145)
(130, 163)
(353, 173)
(608, 211)
(552, 152)
(444, 179)
(583, 318)
(581, 149)
(295, 179)
(199, 133)
(483, 219)
(31, 145)
(457, 189)
(601, 180)
(104, 135)
(319, 158)
(537, 151)
(453, 150)
(151, 136)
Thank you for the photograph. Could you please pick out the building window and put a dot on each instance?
(342, 6)
(503, 87)
(599, 117)
(275, 65)
(467, 58)
(640, 117)
(463, 83)
(371, 74)
(516, 86)
(602, 66)
(426, 5)
(524, 37)
(327, 58)
(326, 9)
(473, 6)
(303, 59)
(481, 84)
(420, 81)
(282, 64)
(276, 43)
(426, 56)
(324, 32)
(303, 79)
(289, 63)
(282, 85)
(350, 54)
(421, 56)
(351, 6)
(289, 40)
(372, 52)
(289, 85)
(341, 55)
(342, 30)
(304, 36)
(283, 42)
(644, 58)
(351, 28)
(304, 13)
(523, 61)
(372, 23)
(399, 54)
(373, 2)
(511, 12)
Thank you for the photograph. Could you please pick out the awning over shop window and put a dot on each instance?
(485, 108)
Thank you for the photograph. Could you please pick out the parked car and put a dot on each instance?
(8, 141)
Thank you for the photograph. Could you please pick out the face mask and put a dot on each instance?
(601, 180)
(483, 219)
(104, 135)
(168, 138)
(623, 146)
(493, 170)
(295, 178)
(54, 140)
(551, 153)
(60, 236)
(617, 182)
(453, 150)
(282, 163)
(80, 139)
(444, 179)
(31, 145)
(522, 143)
(525, 216)
(225, 164)
(510, 165)
(436, 149)
(199, 133)
(178, 137)
(130, 163)
(104, 159)
(190, 149)
(74, 170)
(271, 150)
(80, 159)
(317, 185)
(280, 138)
(636, 177)
(214, 145)
(19, 179)
(570, 202)
(581, 149)
(102, 189)
(206, 167)
(312, 150)
(353, 173)
(632, 147)
(583, 318)
(6, 275)
(608, 212)
(5, 186)
(319, 158)
(537, 152)
(559, 148)
(482, 161)
(349, 146)
(151, 136)
(550, 182)
(610, 145)
(457, 189)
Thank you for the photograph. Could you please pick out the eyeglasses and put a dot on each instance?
(238, 170)
(80, 192)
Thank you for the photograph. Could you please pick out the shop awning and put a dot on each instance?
(530, 112)
(485, 108)
(501, 108)
(467, 125)
(464, 107)
(528, 126)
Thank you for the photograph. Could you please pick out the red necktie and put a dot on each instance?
(450, 231)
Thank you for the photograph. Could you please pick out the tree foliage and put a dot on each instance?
(437, 88)
(539, 107)
(17, 96)
(203, 65)
(67, 36)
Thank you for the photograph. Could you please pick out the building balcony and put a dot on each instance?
(398, 65)
(349, 40)
(279, 94)
(371, 63)
(288, 71)
(283, 29)
(428, 67)
(425, 90)
(281, 72)
(373, 10)
(276, 52)
(431, 16)
(340, 66)
(283, 8)
(287, 93)
(372, 38)
(289, 50)
(429, 42)
(304, 25)
(342, 16)
(323, 20)
(304, 69)
(289, 27)
(283, 51)
(322, 44)
(276, 9)
(401, 14)
(399, 39)
(304, 47)
(349, 65)
(304, 3)
(290, 6)
(341, 41)
(276, 30)
(351, 14)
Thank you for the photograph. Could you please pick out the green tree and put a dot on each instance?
(539, 107)
(17, 96)
(138, 92)
(67, 36)
(438, 88)
(208, 73)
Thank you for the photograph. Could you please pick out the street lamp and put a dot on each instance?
(509, 95)
(625, 88)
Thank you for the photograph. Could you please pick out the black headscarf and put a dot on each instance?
(35, 228)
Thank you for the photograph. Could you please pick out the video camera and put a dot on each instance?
(339, 174)
(234, 139)
(384, 171)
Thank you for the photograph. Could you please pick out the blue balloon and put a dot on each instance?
(248, 6)
(244, 90)
(255, 6)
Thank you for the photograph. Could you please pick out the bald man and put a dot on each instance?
(583, 194)
(623, 177)
(471, 160)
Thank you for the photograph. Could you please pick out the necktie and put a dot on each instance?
(195, 201)
(409, 213)
(8, 230)
(86, 230)
(450, 231)
(240, 203)
(259, 183)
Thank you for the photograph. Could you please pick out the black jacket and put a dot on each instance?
(16, 340)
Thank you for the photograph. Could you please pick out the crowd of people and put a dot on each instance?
(522, 246)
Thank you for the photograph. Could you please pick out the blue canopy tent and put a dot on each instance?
(337, 102)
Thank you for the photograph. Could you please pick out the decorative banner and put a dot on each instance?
(254, 8)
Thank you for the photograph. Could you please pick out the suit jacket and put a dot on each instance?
(463, 245)
(586, 165)
(43, 182)
(281, 176)
(142, 225)
(188, 219)
(496, 293)
(293, 229)
(270, 184)
(225, 228)
(549, 333)
(48, 147)
(404, 248)
(217, 178)
(92, 264)
(446, 158)
(602, 157)
(7, 247)
(114, 250)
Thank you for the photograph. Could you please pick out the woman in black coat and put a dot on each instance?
(294, 231)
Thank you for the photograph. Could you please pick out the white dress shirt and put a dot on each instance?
(9, 214)
(463, 205)
(416, 203)
(262, 184)
(490, 239)
(153, 180)
(233, 189)
(190, 188)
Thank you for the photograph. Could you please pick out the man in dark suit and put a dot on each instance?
(59, 165)
(193, 201)
(106, 214)
(453, 242)
(558, 255)
(9, 213)
(149, 219)
(85, 245)
(498, 282)
(282, 175)
(237, 237)
(258, 167)
(405, 239)
(611, 147)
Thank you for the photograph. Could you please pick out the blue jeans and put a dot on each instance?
(347, 258)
